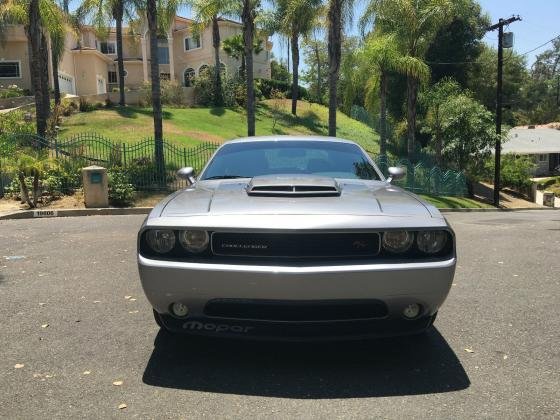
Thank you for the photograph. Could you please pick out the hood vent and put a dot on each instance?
(293, 186)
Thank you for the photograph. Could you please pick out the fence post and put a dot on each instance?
(124, 153)
(184, 156)
(56, 146)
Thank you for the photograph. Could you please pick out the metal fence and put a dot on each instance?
(138, 161)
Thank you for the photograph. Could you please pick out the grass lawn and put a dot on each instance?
(442, 202)
(191, 126)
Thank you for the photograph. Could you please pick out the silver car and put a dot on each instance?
(295, 238)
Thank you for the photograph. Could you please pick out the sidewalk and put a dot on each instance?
(485, 192)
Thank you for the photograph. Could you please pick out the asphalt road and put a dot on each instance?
(494, 352)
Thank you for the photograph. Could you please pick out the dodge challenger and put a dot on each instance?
(295, 238)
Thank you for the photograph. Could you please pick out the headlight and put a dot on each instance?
(194, 241)
(161, 240)
(397, 241)
(431, 241)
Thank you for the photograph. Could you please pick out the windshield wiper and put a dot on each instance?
(226, 177)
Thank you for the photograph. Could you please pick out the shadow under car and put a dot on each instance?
(412, 365)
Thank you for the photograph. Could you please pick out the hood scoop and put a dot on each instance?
(293, 186)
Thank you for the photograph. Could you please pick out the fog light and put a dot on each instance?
(179, 309)
(411, 311)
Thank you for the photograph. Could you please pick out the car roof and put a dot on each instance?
(289, 138)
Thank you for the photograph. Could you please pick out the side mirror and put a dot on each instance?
(187, 174)
(396, 173)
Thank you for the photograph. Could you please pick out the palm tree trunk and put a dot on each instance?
(318, 58)
(118, 15)
(156, 92)
(218, 94)
(335, 41)
(36, 191)
(248, 18)
(24, 190)
(34, 35)
(44, 52)
(295, 71)
(54, 59)
(383, 113)
(438, 145)
(411, 98)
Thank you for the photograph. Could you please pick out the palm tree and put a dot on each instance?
(414, 23)
(57, 51)
(101, 13)
(248, 15)
(41, 19)
(296, 18)
(380, 56)
(152, 18)
(337, 12)
(310, 38)
(207, 12)
(234, 46)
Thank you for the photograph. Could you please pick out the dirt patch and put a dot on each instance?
(202, 136)
(144, 199)
(75, 201)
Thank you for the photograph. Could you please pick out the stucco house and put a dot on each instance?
(542, 143)
(89, 67)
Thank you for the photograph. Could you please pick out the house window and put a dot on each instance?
(9, 70)
(188, 77)
(165, 76)
(163, 54)
(113, 76)
(192, 42)
(543, 158)
(108, 47)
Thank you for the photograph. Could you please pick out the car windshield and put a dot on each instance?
(325, 158)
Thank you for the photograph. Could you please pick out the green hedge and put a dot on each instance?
(266, 86)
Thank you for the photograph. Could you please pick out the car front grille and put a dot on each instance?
(295, 311)
(294, 245)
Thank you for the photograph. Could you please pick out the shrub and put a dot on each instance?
(12, 91)
(67, 108)
(204, 91)
(267, 86)
(13, 123)
(85, 106)
(121, 191)
(171, 93)
(516, 172)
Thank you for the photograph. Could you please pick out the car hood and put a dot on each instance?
(357, 197)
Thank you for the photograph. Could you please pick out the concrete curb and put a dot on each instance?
(43, 213)
(31, 214)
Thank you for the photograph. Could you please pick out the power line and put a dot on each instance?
(478, 62)
(542, 45)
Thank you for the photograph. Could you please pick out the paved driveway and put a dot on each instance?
(74, 320)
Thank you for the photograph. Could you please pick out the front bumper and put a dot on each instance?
(396, 285)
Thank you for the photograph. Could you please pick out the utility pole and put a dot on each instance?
(497, 156)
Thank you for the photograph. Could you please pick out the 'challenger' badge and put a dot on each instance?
(359, 244)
